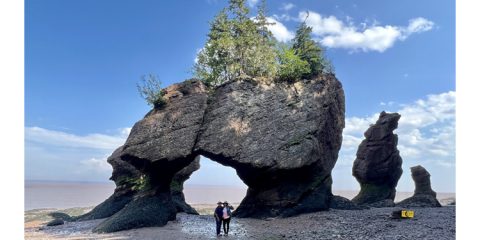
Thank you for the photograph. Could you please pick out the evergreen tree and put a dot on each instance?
(237, 46)
(291, 67)
(216, 62)
(307, 49)
(264, 63)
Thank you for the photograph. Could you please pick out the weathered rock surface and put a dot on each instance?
(423, 196)
(156, 207)
(166, 137)
(378, 165)
(159, 146)
(282, 139)
(124, 175)
(151, 209)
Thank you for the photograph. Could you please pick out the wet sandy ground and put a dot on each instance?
(428, 223)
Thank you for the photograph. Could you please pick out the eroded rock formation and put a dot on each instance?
(124, 176)
(378, 165)
(128, 183)
(282, 139)
(423, 196)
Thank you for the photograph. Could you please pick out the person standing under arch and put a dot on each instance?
(226, 216)
(218, 214)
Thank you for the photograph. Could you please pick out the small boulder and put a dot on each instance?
(382, 204)
(56, 222)
(421, 177)
(423, 196)
(342, 203)
(60, 215)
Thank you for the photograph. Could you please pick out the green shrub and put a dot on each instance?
(151, 90)
(291, 66)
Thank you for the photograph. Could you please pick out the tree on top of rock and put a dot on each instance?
(264, 62)
(308, 50)
(237, 46)
(216, 61)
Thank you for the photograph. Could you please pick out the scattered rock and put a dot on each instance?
(60, 215)
(55, 222)
(423, 196)
(378, 165)
(419, 201)
(381, 204)
(339, 202)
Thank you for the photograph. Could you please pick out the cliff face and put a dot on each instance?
(282, 139)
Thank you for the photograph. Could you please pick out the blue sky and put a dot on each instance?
(83, 59)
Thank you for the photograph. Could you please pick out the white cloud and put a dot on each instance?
(62, 139)
(418, 25)
(124, 132)
(283, 17)
(287, 6)
(279, 31)
(97, 164)
(57, 155)
(321, 25)
(195, 60)
(252, 3)
(372, 39)
(334, 33)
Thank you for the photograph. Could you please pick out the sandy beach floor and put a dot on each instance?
(428, 223)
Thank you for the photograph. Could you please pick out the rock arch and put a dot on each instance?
(281, 138)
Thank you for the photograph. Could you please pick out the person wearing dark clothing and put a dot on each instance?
(218, 217)
(226, 216)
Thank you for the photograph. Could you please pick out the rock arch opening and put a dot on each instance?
(211, 183)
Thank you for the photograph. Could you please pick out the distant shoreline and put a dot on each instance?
(69, 194)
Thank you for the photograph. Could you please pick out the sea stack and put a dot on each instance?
(282, 139)
(424, 196)
(124, 175)
(128, 181)
(378, 165)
